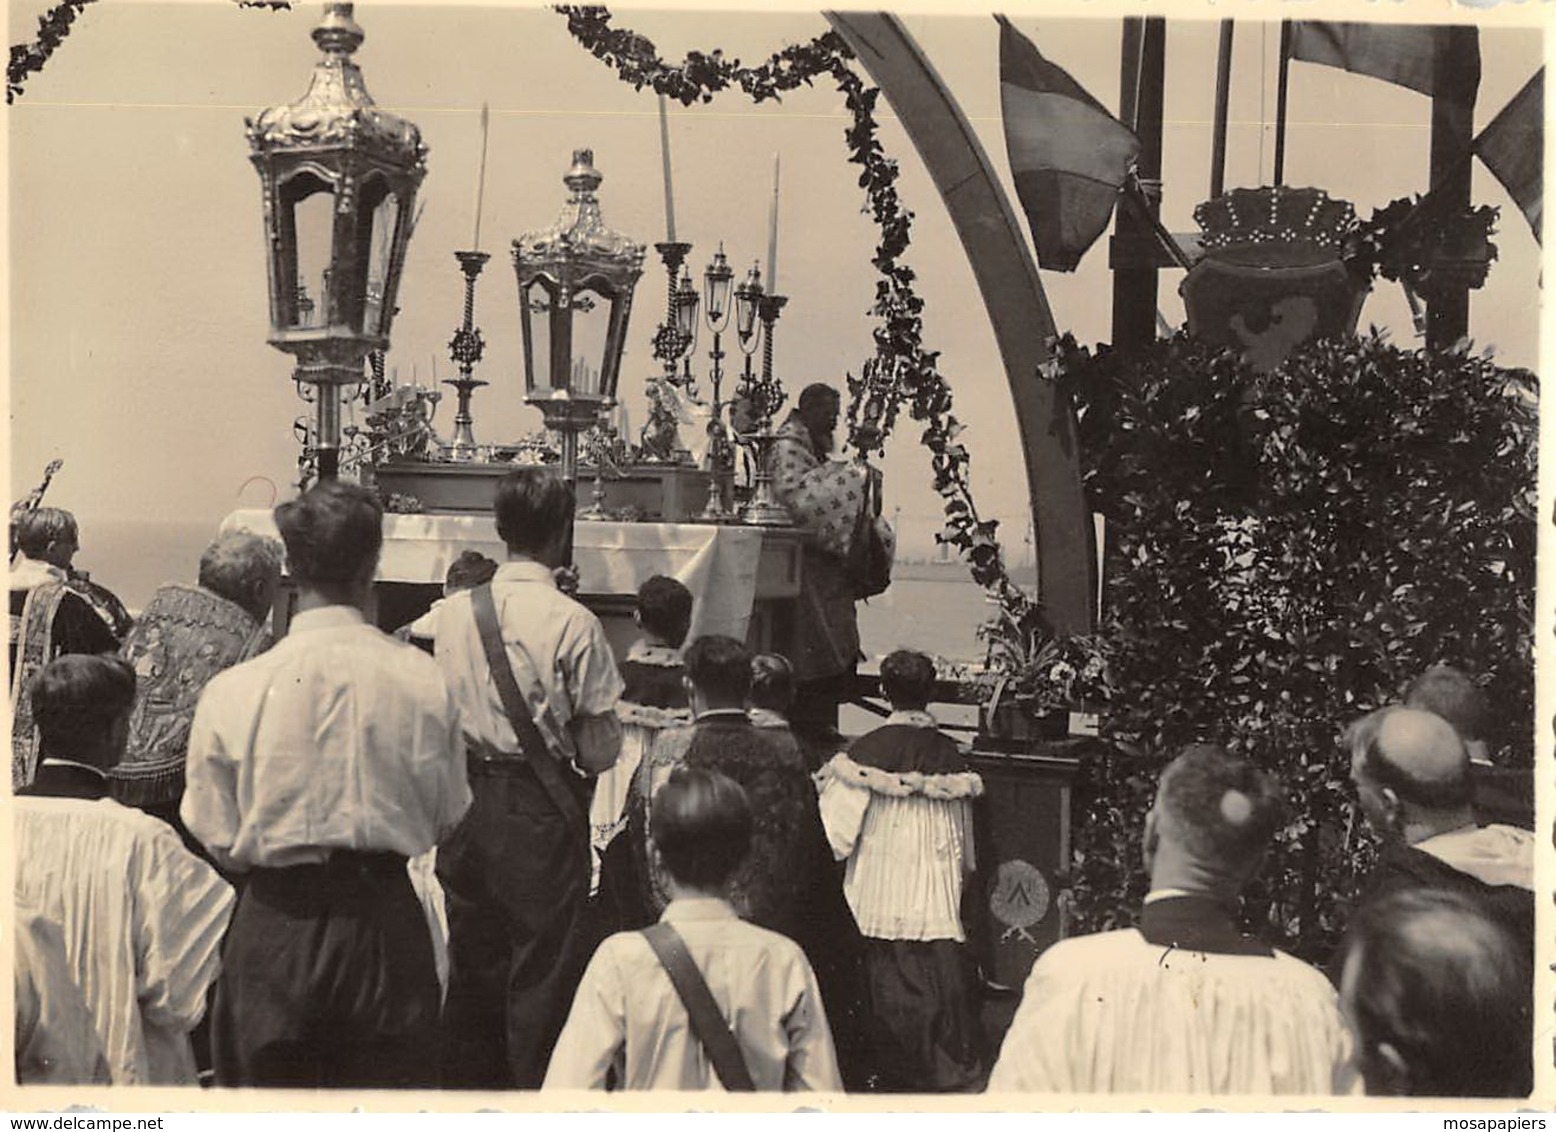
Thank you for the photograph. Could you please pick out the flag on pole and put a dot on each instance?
(1069, 156)
(1513, 148)
(1417, 56)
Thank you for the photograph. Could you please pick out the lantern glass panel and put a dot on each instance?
(307, 206)
(686, 303)
(591, 328)
(535, 312)
(745, 310)
(380, 224)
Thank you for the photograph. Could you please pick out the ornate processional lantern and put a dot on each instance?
(340, 179)
(576, 280)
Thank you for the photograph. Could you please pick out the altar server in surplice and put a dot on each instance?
(1185, 1002)
(317, 769)
(897, 806)
(141, 916)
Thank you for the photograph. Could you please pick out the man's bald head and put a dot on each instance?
(1413, 753)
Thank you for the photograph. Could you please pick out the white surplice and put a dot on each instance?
(142, 920)
(1112, 1013)
(56, 1035)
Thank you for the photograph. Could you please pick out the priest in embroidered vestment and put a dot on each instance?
(897, 806)
(1184, 1003)
(49, 617)
(832, 500)
(185, 636)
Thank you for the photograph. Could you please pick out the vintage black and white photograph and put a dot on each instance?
(565, 557)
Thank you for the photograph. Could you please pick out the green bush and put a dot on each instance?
(1287, 551)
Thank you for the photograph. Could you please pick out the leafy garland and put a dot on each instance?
(901, 371)
(29, 58)
(54, 25)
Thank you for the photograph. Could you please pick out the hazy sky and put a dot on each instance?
(137, 301)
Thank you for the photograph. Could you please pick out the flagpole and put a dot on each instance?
(1280, 102)
(1223, 100)
(1141, 93)
(1453, 128)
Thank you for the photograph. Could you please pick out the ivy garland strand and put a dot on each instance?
(901, 372)
(54, 25)
(29, 58)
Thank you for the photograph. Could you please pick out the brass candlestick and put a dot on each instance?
(765, 510)
(466, 348)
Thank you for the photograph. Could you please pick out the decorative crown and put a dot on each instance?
(1275, 214)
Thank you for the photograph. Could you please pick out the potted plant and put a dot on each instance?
(1033, 678)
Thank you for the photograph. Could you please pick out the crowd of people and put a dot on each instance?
(483, 853)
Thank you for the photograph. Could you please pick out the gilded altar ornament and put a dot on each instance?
(576, 281)
(339, 178)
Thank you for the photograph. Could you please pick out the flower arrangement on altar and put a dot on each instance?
(1038, 673)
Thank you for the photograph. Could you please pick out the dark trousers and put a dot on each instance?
(328, 980)
(921, 1020)
(515, 877)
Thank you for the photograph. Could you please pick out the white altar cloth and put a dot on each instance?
(718, 564)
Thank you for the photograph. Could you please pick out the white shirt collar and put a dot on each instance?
(723, 713)
(698, 908)
(30, 572)
(325, 617)
(524, 570)
(1165, 894)
(911, 719)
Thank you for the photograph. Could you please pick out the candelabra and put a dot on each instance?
(661, 437)
(768, 396)
(717, 282)
(466, 348)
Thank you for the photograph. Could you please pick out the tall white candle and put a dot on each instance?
(664, 152)
(772, 235)
(480, 181)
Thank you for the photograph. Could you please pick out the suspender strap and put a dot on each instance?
(532, 745)
(707, 1022)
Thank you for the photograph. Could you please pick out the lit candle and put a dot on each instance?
(480, 182)
(664, 152)
(772, 235)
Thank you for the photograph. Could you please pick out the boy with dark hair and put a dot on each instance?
(653, 700)
(897, 806)
(144, 917)
(631, 1026)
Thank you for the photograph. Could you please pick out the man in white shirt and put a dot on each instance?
(516, 873)
(630, 1028)
(316, 769)
(141, 916)
(1185, 1003)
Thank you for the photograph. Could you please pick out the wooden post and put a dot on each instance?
(1223, 100)
(1453, 125)
(1140, 101)
(1281, 84)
